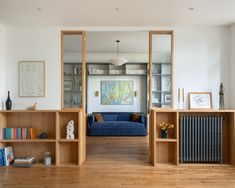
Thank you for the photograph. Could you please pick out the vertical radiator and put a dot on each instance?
(201, 139)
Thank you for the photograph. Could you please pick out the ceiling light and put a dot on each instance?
(191, 8)
(38, 9)
(117, 61)
(116, 9)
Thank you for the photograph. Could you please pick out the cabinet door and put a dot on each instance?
(73, 69)
(161, 69)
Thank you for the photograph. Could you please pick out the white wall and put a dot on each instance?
(232, 68)
(201, 61)
(94, 103)
(2, 67)
(27, 44)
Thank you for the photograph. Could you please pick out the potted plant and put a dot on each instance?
(164, 128)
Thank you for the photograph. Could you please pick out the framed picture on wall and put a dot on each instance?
(200, 100)
(31, 78)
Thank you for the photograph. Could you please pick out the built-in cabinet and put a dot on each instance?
(198, 137)
(64, 152)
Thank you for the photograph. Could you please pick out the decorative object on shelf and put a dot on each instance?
(221, 97)
(31, 78)
(43, 135)
(70, 130)
(97, 93)
(117, 61)
(32, 107)
(200, 100)
(164, 128)
(8, 102)
(183, 98)
(167, 98)
(117, 92)
(47, 158)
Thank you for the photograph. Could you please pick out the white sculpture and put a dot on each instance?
(70, 130)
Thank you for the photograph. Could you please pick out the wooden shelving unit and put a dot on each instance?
(166, 151)
(54, 122)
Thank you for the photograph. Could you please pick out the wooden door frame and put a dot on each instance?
(83, 34)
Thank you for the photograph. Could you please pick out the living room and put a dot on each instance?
(73, 52)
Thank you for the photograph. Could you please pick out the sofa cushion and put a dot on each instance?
(136, 117)
(117, 124)
(124, 116)
(109, 116)
(99, 118)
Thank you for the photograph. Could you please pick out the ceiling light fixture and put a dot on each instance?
(38, 9)
(191, 8)
(117, 61)
(116, 9)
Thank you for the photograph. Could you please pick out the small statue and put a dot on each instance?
(32, 107)
(221, 97)
(70, 130)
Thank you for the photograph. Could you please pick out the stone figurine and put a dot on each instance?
(221, 97)
(70, 130)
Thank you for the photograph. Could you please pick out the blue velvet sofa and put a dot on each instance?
(117, 124)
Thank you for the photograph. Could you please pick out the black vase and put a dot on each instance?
(8, 102)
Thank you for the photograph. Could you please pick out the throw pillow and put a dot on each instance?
(99, 118)
(136, 117)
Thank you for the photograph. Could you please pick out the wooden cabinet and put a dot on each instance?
(64, 152)
(199, 136)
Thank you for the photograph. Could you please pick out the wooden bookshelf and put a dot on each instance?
(54, 123)
(166, 151)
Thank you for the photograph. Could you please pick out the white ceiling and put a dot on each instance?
(98, 13)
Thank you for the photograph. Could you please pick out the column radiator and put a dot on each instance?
(200, 139)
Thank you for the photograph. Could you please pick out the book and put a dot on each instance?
(2, 163)
(33, 134)
(14, 133)
(3, 133)
(8, 156)
(18, 132)
(8, 133)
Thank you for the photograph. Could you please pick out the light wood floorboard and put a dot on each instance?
(118, 162)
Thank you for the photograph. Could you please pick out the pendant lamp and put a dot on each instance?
(118, 61)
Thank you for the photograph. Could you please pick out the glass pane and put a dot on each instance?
(161, 70)
(72, 71)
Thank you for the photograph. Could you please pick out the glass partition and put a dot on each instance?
(161, 53)
(72, 66)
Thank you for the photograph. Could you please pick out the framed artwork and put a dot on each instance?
(31, 78)
(200, 100)
(167, 98)
(68, 85)
(117, 92)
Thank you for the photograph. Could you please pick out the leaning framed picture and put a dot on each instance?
(31, 78)
(200, 100)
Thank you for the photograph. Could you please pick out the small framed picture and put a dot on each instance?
(167, 98)
(68, 85)
(200, 100)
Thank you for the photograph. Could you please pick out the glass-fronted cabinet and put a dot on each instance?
(72, 66)
(161, 63)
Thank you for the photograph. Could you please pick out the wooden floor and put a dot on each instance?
(118, 162)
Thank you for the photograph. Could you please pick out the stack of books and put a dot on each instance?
(19, 133)
(24, 162)
(6, 156)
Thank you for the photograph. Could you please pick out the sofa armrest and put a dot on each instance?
(91, 119)
(142, 118)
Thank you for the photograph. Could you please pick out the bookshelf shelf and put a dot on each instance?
(29, 140)
(68, 140)
(54, 123)
(166, 140)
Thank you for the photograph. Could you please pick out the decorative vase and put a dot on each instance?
(164, 133)
(8, 102)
